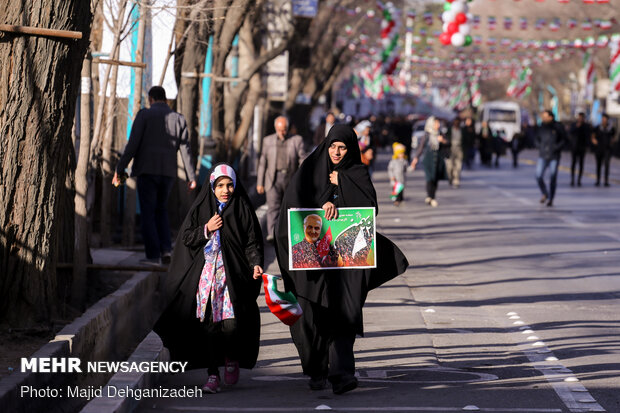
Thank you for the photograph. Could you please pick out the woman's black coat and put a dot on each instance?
(242, 249)
(342, 291)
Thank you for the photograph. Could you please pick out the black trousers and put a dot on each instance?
(602, 158)
(221, 343)
(577, 156)
(325, 349)
(431, 188)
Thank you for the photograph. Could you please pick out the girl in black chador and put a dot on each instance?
(212, 319)
(332, 177)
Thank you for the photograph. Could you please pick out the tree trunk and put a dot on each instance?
(81, 253)
(41, 75)
(189, 57)
(106, 161)
(129, 213)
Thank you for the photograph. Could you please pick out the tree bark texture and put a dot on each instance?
(39, 79)
(81, 252)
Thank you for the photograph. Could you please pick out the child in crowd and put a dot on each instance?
(213, 283)
(397, 167)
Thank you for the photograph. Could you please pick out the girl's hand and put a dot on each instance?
(333, 178)
(331, 212)
(258, 272)
(214, 223)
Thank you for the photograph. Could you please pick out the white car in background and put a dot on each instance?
(417, 133)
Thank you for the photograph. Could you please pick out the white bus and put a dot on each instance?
(503, 117)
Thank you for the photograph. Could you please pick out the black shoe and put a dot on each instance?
(572, 183)
(166, 258)
(606, 183)
(346, 384)
(578, 183)
(597, 184)
(543, 199)
(317, 383)
(150, 261)
(550, 203)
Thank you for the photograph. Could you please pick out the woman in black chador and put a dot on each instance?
(212, 318)
(332, 177)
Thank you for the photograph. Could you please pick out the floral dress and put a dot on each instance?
(212, 285)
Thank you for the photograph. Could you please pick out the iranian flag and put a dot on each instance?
(614, 67)
(282, 304)
(323, 245)
(588, 66)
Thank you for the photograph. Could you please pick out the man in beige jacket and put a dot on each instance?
(280, 157)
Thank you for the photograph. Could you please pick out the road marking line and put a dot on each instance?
(562, 379)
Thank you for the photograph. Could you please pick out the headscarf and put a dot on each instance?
(222, 170)
(433, 135)
(361, 127)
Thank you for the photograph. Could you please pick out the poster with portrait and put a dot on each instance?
(345, 242)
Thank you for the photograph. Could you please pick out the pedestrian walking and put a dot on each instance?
(486, 138)
(281, 155)
(580, 135)
(468, 135)
(397, 169)
(212, 318)
(602, 142)
(455, 160)
(432, 161)
(499, 145)
(323, 129)
(366, 144)
(156, 135)
(517, 144)
(332, 177)
(551, 138)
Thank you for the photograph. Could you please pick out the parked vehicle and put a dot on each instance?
(502, 116)
(418, 133)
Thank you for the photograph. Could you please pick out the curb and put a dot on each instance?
(150, 349)
(108, 330)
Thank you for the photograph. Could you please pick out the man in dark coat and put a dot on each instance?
(602, 141)
(332, 177)
(550, 138)
(156, 135)
(580, 132)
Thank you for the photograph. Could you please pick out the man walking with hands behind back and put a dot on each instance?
(280, 157)
(156, 135)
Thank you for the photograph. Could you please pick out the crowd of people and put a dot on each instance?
(447, 147)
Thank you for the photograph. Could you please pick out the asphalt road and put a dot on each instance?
(508, 306)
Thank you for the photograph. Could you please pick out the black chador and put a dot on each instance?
(332, 300)
(241, 244)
